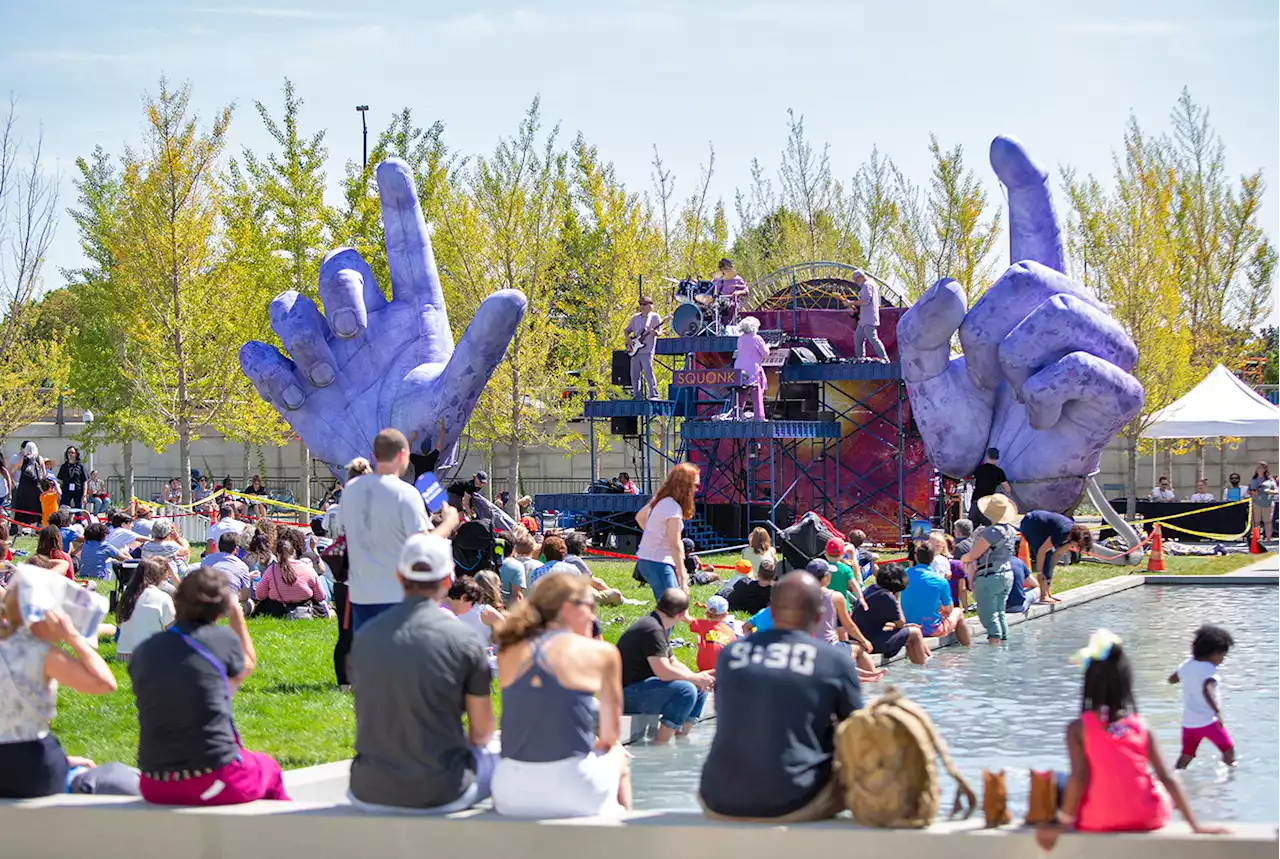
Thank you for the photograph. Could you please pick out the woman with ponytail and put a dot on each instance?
(551, 671)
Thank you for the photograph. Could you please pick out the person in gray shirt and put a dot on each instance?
(415, 670)
(235, 570)
(643, 328)
(989, 564)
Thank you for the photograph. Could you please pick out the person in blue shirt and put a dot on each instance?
(1234, 492)
(927, 600)
(759, 622)
(96, 552)
(1024, 591)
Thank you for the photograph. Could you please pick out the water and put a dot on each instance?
(1007, 707)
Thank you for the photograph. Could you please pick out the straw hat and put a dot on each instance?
(1000, 509)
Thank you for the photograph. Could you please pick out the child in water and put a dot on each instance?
(1201, 715)
(1111, 788)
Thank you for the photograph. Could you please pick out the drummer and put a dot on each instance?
(730, 286)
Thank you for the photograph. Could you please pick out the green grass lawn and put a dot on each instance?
(290, 709)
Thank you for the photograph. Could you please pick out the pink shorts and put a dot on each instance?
(253, 776)
(1214, 733)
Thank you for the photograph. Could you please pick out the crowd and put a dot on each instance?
(423, 642)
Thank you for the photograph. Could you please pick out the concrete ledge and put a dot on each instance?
(117, 828)
(1228, 580)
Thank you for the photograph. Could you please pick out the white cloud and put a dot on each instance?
(67, 56)
(475, 24)
(287, 12)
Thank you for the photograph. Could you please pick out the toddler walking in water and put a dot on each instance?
(1201, 715)
(1111, 788)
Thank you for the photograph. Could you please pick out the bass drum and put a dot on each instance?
(687, 320)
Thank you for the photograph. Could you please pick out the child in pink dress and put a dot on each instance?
(1111, 787)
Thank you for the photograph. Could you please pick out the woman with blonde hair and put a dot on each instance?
(760, 548)
(550, 670)
(660, 557)
(752, 350)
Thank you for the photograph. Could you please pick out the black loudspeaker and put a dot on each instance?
(621, 370)
(801, 355)
(624, 426)
(626, 544)
(807, 392)
(822, 347)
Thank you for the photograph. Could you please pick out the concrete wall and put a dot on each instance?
(116, 828)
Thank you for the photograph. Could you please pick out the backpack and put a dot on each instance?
(885, 762)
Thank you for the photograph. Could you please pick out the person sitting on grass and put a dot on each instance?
(416, 671)
(97, 552)
(32, 666)
(466, 601)
(1050, 536)
(145, 607)
(1201, 713)
(653, 681)
(167, 544)
(515, 569)
(714, 631)
(290, 582)
(882, 622)
(183, 681)
(759, 548)
(575, 546)
(119, 534)
(846, 578)
(49, 554)
(1110, 788)
(552, 674)
(697, 573)
(800, 689)
(554, 552)
(227, 561)
(927, 600)
(752, 595)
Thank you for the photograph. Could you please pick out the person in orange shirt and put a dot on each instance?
(714, 632)
(48, 500)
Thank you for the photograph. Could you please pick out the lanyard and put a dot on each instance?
(204, 652)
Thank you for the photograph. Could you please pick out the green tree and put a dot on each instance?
(178, 308)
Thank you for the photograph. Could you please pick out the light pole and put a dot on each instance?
(364, 130)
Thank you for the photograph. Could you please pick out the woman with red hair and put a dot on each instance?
(660, 558)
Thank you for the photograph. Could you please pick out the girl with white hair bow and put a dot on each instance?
(750, 356)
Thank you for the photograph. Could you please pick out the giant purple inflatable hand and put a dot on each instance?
(372, 363)
(1045, 373)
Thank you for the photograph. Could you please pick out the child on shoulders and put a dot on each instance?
(1201, 714)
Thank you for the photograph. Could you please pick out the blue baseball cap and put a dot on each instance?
(819, 567)
(717, 605)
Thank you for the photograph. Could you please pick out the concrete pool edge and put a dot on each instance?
(110, 827)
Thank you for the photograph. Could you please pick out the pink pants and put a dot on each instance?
(1214, 733)
(756, 391)
(254, 776)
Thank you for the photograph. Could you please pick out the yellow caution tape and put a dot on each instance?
(265, 500)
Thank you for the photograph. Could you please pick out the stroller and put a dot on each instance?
(805, 540)
(473, 548)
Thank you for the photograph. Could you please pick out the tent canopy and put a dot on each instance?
(1221, 405)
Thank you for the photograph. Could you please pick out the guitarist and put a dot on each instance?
(643, 328)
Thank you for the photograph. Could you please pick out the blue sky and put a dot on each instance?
(1062, 77)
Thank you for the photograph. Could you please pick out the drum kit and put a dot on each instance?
(700, 309)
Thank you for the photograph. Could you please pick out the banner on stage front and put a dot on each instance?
(703, 377)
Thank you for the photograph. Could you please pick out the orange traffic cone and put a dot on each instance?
(1155, 559)
(1024, 552)
(1255, 544)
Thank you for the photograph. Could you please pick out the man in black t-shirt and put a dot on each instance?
(655, 684)
(799, 686)
(988, 479)
(752, 595)
(460, 492)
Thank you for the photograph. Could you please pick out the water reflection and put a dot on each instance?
(1007, 707)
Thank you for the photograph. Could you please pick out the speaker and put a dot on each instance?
(621, 368)
(801, 355)
(625, 426)
(807, 392)
(626, 544)
(822, 347)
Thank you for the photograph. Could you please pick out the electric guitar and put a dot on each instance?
(638, 341)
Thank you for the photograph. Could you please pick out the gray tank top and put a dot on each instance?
(1004, 546)
(542, 721)
(828, 627)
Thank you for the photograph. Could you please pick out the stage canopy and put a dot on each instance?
(1221, 405)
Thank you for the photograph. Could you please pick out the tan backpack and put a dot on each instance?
(885, 756)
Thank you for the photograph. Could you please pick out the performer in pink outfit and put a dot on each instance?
(750, 360)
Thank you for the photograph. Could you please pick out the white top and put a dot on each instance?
(152, 613)
(1158, 494)
(749, 554)
(654, 545)
(27, 696)
(378, 513)
(223, 526)
(941, 565)
(121, 538)
(1202, 497)
(1196, 712)
(474, 619)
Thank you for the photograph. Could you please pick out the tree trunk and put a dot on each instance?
(305, 494)
(184, 458)
(1223, 470)
(128, 474)
(1131, 476)
(1168, 467)
(244, 468)
(1200, 459)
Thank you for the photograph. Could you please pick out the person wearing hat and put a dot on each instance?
(1049, 537)
(416, 670)
(461, 492)
(866, 312)
(989, 564)
(750, 594)
(845, 579)
(714, 631)
(643, 328)
(696, 573)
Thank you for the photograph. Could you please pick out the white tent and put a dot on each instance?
(1221, 405)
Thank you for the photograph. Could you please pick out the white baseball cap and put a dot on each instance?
(433, 555)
